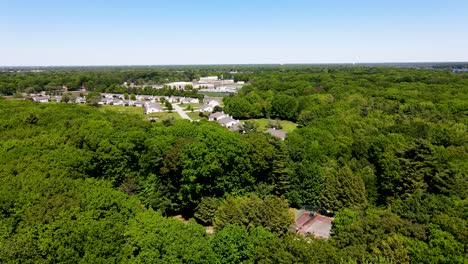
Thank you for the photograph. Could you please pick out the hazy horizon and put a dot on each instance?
(142, 32)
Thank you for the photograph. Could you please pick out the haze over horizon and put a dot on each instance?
(143, 32)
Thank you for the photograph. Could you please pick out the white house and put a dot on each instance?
(205, 108)
(153, 108)
(80, 100)
(277, 133)
(227, 121)
(118, 102)
(138, 104)
(103, 101)
(173, 99)
(216, 116)
(112, 96)
(211, 102)
(41, 99)
(189, 100)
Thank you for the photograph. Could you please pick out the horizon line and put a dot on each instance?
(235, 64)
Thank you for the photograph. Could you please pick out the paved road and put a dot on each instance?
(181, 112)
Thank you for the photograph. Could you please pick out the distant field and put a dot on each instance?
(262, 123)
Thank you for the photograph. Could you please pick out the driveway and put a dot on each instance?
(181, 112)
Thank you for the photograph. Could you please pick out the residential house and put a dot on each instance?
(189, 100)
(212, 101)
(173, 99)
(128, 102)
(80, 100)
(117, 102)
(205, 108)
(227, 121)
(276, 133)
(41, 99)
(138, 104)
(113, 96)
(216, 116)
(103, 101)
(236, 127)
(153, 108)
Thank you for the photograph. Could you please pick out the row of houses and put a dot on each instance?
(154, 98)
(105, 101)
(58, 99)
(225, 120)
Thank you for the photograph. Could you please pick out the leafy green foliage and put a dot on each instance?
(384, 149)
(270, 212)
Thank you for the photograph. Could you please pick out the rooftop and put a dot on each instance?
(277, 133)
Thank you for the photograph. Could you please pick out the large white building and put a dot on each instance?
(179, 85)
(208, 79)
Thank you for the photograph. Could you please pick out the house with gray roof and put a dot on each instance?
(227, 121)
(216, 116)
(80, 100)
(153, 108)
(205, 108)
(276, 133)
(212, 101)
(138, 104)
(186, 100)
(41, 99)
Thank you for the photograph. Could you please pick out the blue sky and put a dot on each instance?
(143, 32)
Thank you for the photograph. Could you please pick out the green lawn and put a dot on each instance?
(164, 115)
(194, 115)
(122, 109)
(184, 106)
(262, 123)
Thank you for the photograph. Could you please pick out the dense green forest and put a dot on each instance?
(382, 149)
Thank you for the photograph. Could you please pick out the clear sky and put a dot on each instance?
(144, 32)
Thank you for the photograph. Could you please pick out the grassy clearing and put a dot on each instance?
(164, 115)
(122, 109)
(262, 123)
(194, 115)
(194, 106)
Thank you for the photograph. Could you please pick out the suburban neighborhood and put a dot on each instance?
(209, 107)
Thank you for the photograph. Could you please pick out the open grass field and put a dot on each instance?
(262, 123)
(194, 115)
(184, 106)
(122, 109)
(164, 115)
